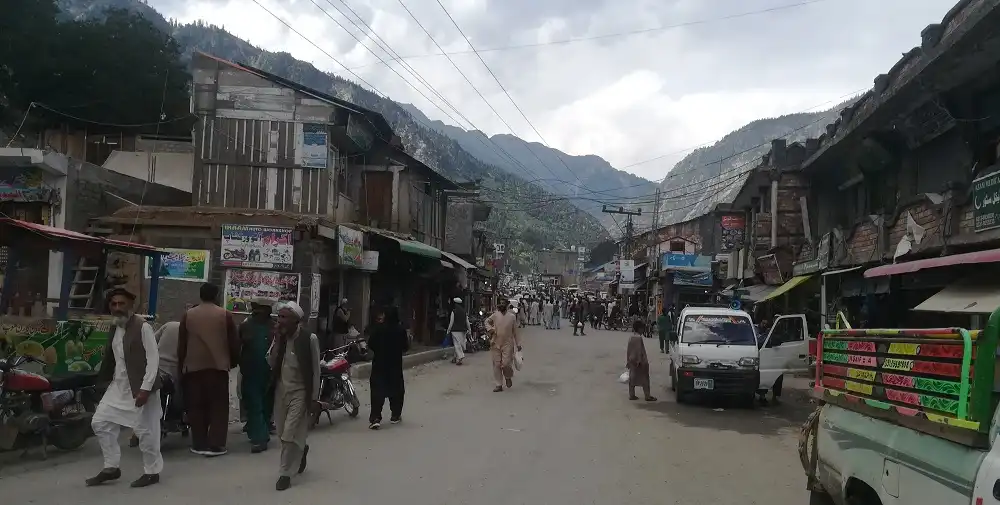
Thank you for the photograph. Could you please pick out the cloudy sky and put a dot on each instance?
(626, 98)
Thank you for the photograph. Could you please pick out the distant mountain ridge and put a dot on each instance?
(583, 179)
(715, 174)
(518, 214)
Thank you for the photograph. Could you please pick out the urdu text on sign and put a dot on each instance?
(986, 201)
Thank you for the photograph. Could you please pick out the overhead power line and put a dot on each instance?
(504, 89)
(628, 33)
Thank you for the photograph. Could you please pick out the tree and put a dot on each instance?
(115, 70)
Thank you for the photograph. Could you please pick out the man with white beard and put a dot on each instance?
(131, 361)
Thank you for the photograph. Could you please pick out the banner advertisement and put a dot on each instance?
(251, 246)
(242, 286)
(182, 265)
(350, 247)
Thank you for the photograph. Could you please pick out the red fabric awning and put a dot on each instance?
(990, 256)
(59, 234)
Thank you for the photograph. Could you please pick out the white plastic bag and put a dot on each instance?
(518, 360)
(624, 377)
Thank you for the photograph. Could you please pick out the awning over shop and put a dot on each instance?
(841, 271)
(786, 287)
(908, 267)
(967, 296)
(755, 293)
(458, 261)
(418, 248)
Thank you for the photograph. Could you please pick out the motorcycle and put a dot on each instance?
(37, 411)
(480, 338)
(336, 391)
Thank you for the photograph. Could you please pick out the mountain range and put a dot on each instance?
(542, 197)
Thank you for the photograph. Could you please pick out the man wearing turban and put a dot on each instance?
(294, 360)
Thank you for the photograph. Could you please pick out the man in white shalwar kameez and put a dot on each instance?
(131, 362)
(533, 313)
(547, 308)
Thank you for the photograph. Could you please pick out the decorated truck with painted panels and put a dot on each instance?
(906, 416)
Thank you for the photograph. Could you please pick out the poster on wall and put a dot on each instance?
(986, 202)
(628, 271)
(733, 229)
(251, 246)
(312, 150)
(182, 265)
(350, 250)
(317, 281)
(63, 347)
(242, 286)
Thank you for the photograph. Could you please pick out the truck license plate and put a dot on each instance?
(704, 383)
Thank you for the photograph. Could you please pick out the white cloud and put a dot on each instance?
(623, 98)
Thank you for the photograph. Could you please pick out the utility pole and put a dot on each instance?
(627, 246)
(629, 214)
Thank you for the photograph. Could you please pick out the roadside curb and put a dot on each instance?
(364, 370)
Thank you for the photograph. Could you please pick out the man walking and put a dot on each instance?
(255, 339)
(503, 325)
(294, 360)
(131, 361)
(663, 326)
(458, 326)
(556, 315)
(208, 348)
(547, 313)
(579, 317)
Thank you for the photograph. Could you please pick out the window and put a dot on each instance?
(718, 329)
(677, 246)
(787, 329)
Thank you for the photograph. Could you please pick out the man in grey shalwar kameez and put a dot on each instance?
(294, 359)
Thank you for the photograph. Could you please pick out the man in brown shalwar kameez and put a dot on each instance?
(637, 362)
(502, 325)
(294, 360)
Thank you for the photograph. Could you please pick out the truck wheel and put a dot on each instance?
(820, 498)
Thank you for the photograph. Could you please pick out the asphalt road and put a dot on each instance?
(565, 434)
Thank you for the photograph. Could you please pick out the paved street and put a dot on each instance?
(565, 434)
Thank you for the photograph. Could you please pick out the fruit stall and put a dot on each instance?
(70, 337)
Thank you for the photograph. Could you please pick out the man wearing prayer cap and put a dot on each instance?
(458, 326)
(294, 360)
(131, 361)
(256, 334)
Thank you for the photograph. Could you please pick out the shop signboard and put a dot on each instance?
(182, 265)
(252, 246)
(350, 247)
(733, 231)
(65, 347)
(242, 286)
(986, 202)
(312, 151)
(369, 261)
(314, 293)
(628, 271)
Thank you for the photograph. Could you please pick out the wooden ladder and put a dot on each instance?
(81, 292)
(85, 277)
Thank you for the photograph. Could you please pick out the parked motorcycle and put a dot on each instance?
(480, 337)
(336, 390)
(37, 411)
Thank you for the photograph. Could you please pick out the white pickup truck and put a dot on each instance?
(907, 417)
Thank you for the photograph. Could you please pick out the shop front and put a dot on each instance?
(687, 280)
(72, 339)
(959, 290)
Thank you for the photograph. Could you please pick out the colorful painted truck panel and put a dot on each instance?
(931, 374)
(66, 347)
